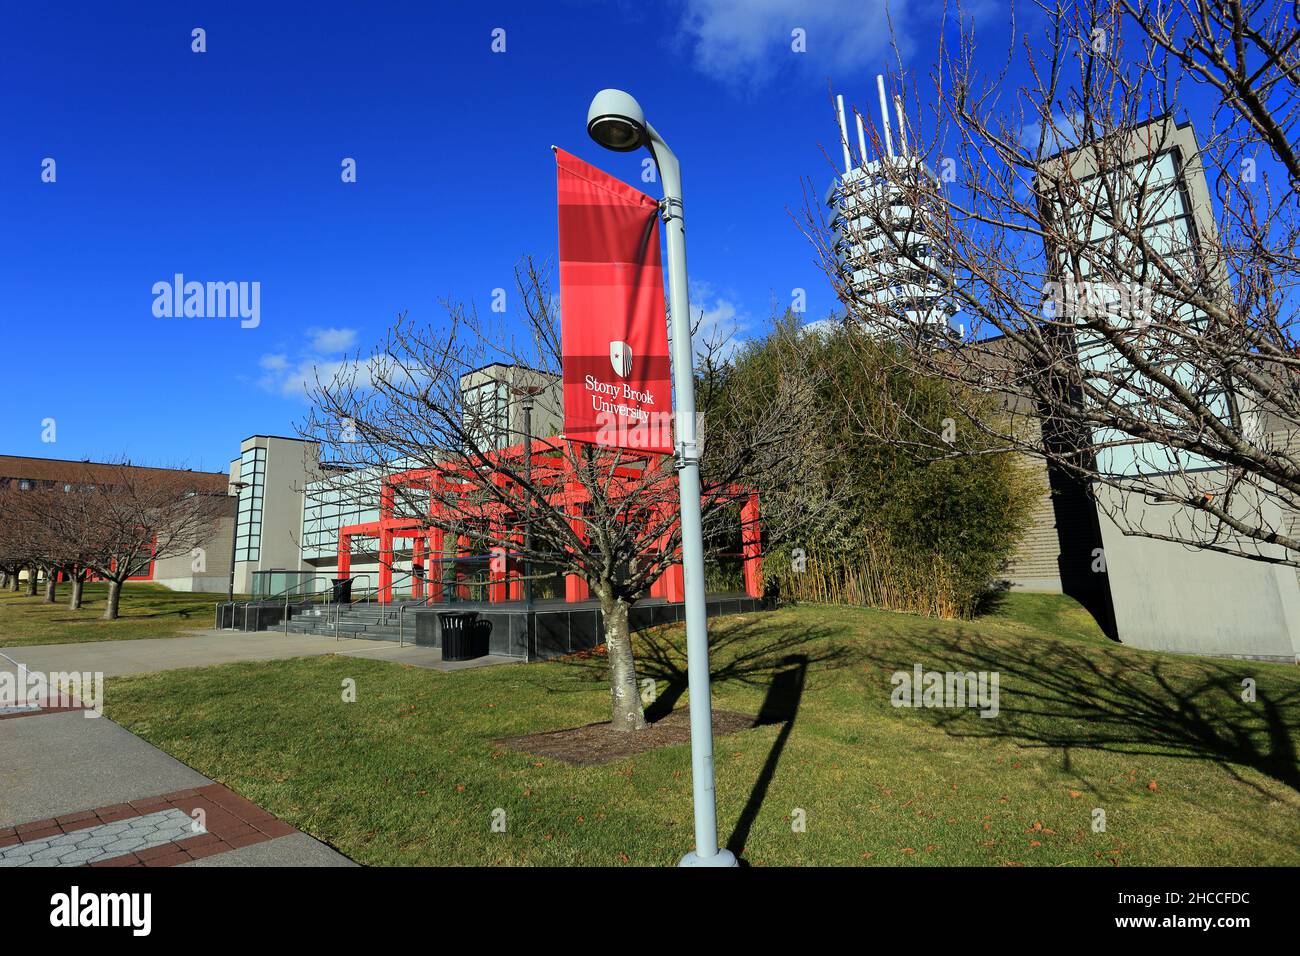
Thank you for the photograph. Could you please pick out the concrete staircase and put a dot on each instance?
(372, 622)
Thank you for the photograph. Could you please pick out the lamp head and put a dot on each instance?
(615, 121)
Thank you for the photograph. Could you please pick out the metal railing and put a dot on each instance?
(217, 616)
(314, 594)
(236, 607)
(338, 605)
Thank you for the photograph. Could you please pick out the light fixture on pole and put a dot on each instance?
(528, 396)
(615, 120)
(236, 487)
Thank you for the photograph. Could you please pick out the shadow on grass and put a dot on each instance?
(92, 608)
(781, 706)
(745, 651)
(1063, 697)
(992, 601)
(748, 652)
(753, 652)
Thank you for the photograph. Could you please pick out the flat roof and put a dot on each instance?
(63, 469)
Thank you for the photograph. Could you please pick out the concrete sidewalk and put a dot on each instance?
(82, 790)
(114, 658)
(78, 790)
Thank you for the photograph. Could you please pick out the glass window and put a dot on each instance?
(248, 530)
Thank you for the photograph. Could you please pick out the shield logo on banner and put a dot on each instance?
(620, 356)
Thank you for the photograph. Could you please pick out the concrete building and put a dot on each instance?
(493, 399)
(270, 477)
(180, 572)
(1160, 594)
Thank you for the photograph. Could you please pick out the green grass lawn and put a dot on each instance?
(146, 610)
(1186, 772)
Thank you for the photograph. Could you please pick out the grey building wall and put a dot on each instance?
(1168, 597)
(180, 574)
(1287, 439)
(290, 465)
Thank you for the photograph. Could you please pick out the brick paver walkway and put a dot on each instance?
(158, 831)
(61, 763)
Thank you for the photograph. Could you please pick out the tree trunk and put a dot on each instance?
(51, 587)
(4, 580)
(625, 696)
(110, 604)
(78, 580)
(31, 582)
(14, 584)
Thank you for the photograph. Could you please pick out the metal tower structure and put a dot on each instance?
(886, 257)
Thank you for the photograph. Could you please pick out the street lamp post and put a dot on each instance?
(528, 516)
(237, 487)
(615, 120)
(528, 395)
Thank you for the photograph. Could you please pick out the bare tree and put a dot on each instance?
(15, 541)
(114, 522)
(65, 522)
(605, 515)
(1140, 341)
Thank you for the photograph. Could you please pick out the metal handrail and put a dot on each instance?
(247, 604)
(405, 606)
(310, 596)
(424, 601)
(339, 604)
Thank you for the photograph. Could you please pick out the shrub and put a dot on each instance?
(884, 526)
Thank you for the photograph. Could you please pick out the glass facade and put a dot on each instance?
(333, 503)
(248, 529)
(486, 411)
(1150, 193)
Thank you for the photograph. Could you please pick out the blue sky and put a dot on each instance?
(225, 166)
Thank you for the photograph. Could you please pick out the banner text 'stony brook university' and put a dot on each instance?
(614, 333)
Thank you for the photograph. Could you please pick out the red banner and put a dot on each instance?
(614, 329)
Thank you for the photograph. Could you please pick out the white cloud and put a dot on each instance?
(720, 320)
(1065, 132)
(746, 42)
(295, 381)
(325, 341)
(319, 359)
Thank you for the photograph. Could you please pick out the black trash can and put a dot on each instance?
(459, 630)
(342, 590)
